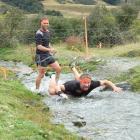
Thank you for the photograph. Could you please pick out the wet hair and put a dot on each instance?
(85, 75)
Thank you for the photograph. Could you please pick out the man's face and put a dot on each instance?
(85, 83)
(44, 24)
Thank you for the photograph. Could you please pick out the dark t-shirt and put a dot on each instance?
(42, 38)
(73, 88)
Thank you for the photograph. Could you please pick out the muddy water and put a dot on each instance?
(102, 115)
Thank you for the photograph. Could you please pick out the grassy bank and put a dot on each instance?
(24, 117)
(132, 77)
(63, 55)
(122, 50)
(24, 52)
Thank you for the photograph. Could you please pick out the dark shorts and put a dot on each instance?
(44, 60)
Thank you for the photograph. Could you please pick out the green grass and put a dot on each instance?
(134, 78)
(24, 117)
(64, 56)
(64, 53)
(16, 54)
(71, 10)
(132, 53)
(121, 50)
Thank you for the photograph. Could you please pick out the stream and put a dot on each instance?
(102, 115)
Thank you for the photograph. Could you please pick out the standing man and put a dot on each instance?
(44, 52)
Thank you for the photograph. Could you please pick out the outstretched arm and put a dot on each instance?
(76, 73)
(108, 83)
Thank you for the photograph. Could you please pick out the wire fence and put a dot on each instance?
(24, 30)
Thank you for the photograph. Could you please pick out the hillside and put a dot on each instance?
(71, 9)
(52, 2)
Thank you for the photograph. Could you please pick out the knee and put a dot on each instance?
(41, 75)
(58, 70)
(52, 92)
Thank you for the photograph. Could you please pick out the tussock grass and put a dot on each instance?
(116, 51)
(134, 78)
(24, 116)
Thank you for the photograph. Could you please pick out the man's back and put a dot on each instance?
(73, 88)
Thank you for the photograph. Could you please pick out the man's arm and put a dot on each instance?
(59, 91)
(42, 48)
(108, 83)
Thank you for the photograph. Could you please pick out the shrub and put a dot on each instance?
(74, 42)
(31, 6)
(125, 16)
(103, 27)
(86, 2)
(53, 13)
(62, 28)
(10, 28)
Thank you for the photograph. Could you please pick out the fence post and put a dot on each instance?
(85, 37)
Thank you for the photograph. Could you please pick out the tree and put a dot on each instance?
(125, 16)
(31, 6)
(103, 27)
(10, 28)
(63, 27)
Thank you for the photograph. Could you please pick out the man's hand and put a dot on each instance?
(52, 50)
(117, 89)
(64, 96)
(108, 83)
(61, 94)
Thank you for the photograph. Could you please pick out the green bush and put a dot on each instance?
(125, 16)
(53, 13)
(11, 25)
(135, 78)
(135, 27)
(133, 53)
(103, 27)
(62, 28)
(86, 2)
(31, 6)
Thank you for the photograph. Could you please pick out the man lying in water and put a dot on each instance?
(81, 86)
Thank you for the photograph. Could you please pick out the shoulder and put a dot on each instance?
(71, 85)
(95, 83)
(39, 32)
(104, 82)
(74, 82)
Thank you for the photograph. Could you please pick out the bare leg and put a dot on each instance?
(57, 68)
(76, 73)
(40, 76)
(52, 85)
